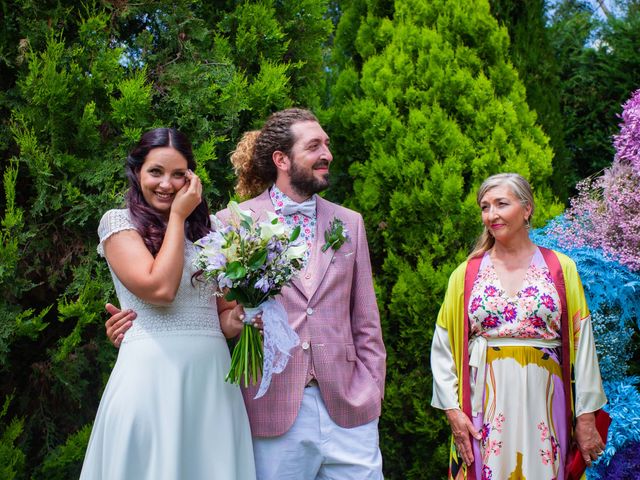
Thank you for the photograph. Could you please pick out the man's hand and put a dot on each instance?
(118, 323)
(461, 427)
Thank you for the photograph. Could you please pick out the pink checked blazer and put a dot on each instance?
(339, 323)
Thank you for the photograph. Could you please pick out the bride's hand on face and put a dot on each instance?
(188, 197)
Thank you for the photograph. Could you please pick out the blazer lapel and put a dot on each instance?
(260, 205)
(320, 261)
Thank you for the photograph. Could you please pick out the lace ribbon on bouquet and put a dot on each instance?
(279, 339)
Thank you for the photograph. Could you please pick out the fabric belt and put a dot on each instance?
(478, 359)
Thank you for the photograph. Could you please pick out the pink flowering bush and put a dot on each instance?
(606, 212)
(627, 142)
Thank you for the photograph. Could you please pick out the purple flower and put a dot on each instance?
(223, 281)
(485, 431)
(486, 473)
(509, 313)
(216, 262)
(548, 302)
(490, 291)
(530, 291)
(262, 284)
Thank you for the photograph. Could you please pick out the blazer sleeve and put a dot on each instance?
(365, 316)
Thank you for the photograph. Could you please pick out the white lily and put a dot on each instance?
(236, 211)
(270, 229)
(296, 251)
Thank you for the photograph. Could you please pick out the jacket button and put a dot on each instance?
(305, 345)
(309, 311)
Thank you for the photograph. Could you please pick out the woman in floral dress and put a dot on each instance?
(506, 395)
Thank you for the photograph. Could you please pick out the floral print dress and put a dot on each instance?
(523, 403)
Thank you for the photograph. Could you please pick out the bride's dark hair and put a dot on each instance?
(146, 219)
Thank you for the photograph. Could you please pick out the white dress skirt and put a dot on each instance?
(166, 412)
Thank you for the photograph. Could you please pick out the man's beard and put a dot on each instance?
(303, 181)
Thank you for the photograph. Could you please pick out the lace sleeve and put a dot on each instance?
(113, 221)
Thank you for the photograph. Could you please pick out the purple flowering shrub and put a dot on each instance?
(627, 142)
(606, 212)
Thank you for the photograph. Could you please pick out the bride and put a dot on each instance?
(166, 412)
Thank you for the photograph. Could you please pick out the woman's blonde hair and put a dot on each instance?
(519, 187)
(252, 159)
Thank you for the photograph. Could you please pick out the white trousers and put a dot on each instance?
(315, 448)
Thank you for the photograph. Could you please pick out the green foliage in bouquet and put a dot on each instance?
(425, 108)
(80, 82)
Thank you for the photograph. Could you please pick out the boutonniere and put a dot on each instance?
(335, 235)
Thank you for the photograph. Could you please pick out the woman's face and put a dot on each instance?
(162, 175)
(503, 214)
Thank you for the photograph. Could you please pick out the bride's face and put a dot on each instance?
(162, 175)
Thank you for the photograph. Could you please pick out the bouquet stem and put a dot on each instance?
(247, 358)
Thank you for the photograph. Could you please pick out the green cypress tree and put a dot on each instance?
(533, 56)
(434, 109)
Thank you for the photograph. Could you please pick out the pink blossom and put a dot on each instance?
(490, 322)
(498, 421)
(475, 304)
(544, 431)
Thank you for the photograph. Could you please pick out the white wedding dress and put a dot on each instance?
(166, 412)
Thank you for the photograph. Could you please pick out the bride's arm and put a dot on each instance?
(154, 280)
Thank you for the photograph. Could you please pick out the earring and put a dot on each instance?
(527, 223)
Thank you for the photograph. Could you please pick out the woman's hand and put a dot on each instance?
(118, 323)
(461, 427)
(232, 318)
(587, 438)
(188, 197)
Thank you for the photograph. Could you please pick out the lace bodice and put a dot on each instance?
(194, 309)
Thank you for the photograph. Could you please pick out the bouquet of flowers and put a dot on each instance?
(250, 262)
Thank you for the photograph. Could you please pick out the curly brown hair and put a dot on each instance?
(252, 159)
